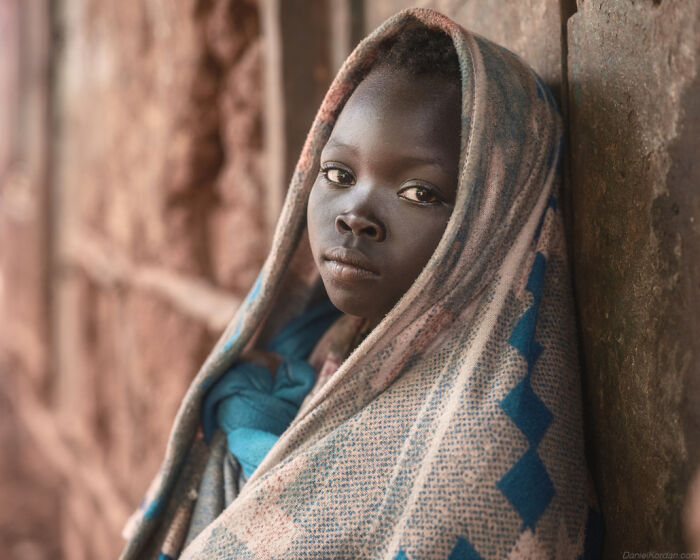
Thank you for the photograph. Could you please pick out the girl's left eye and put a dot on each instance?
(418, 194)
(339, 176)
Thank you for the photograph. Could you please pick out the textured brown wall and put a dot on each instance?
(132, 255)
(142, 170)
(30, 524)
(634, 106)
(159, 201)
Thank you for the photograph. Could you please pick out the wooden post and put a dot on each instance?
(297, 74)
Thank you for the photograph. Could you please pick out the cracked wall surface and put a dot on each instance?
(633, 82)
(146, 149)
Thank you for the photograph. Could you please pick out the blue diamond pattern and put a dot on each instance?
(528, 487)
(523, 337)
(463, 550)
(527, 484)
(528, 412)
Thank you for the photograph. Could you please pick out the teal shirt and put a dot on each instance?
(251, 405)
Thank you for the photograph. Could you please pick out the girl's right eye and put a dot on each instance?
(338, 176)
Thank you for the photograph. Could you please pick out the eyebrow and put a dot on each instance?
(333, 143)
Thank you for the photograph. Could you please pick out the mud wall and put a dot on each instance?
(128, 244)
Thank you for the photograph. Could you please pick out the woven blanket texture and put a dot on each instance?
(454, 429)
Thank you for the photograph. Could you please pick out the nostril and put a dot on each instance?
(359, 226)
(341, 225)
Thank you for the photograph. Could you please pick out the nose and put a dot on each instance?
(360, 226)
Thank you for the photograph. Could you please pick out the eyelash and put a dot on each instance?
(325, 170)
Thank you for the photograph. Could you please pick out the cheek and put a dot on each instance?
(419, 242)
(314, 213)
(420, 237)
(433, 236)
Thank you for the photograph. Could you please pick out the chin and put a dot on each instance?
(351, 304)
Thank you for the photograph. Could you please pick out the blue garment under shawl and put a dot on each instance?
(251, 405)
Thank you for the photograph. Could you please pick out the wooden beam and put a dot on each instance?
(192, 296)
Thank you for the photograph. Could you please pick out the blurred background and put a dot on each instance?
(145, 148)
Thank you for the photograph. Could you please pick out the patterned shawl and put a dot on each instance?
(454, 429)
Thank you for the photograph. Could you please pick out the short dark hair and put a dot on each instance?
(420, 50)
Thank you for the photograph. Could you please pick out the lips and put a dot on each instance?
(349, 264)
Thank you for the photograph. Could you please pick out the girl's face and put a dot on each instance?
(385, 189)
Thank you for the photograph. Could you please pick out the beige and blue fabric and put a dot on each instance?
(454, 429)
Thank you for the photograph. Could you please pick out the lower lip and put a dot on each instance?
(348, 272)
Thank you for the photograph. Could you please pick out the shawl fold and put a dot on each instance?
(454, 429)
(251, 405)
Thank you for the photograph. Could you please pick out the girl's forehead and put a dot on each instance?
(401, 116)
(391, 85)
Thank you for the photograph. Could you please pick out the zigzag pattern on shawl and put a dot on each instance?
(526, 484)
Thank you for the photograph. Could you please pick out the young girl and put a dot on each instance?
(439, 414)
